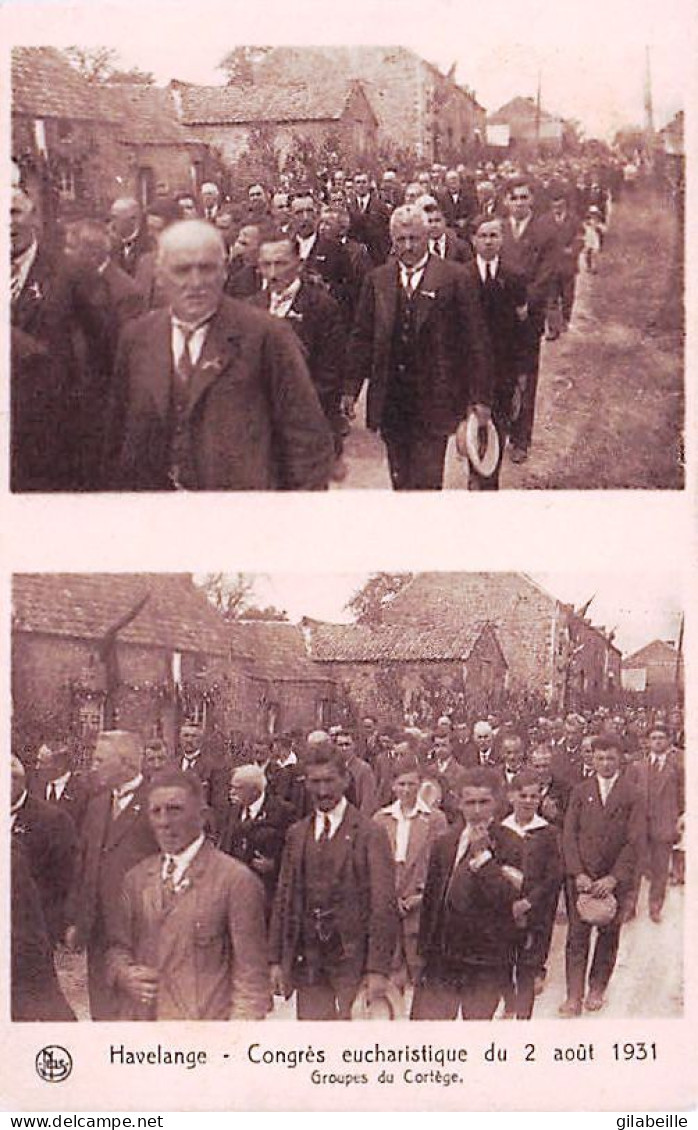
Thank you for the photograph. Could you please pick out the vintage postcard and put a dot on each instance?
(311, 752)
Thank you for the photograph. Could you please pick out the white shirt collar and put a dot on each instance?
(14, 809)
(280, 302)
(20, 268)
(336, 815)
(521, 829)
(182, 860)
(306, 244)
(189, 758)
(127, 787)
(395, 810)
(59, 783)
(255, 808)
(605, 785)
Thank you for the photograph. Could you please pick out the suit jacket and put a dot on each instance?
(364, 897)
(265, 835)
(207, 943)
(214, 775)
(466, 916)
(371, 227)
(508, 335)
(244, 281)
(602, 839)
(330, 262)
(72, 801)
(35, 992)
(535, 256)
(457, 250)
(538, 855)
(49, 841)
(457, 212)
(43, 397)
(411, 875)
(109, 847)
(452, 365)
(569, 243)
(253, 418)
(662, 796)
(142, 244)
(316, 320)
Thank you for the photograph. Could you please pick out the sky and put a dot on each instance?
(642, 607)
(590, 54)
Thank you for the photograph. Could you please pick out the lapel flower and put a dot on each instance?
(213, 366)
(294, 315)
(36, 291)
(428, 293)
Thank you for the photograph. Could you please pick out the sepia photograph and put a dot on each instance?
(460, 265)
(400, 796)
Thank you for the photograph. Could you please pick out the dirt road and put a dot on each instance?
(610, 397)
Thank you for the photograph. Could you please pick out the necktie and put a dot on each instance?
(185, 365)
(245, 815)
(117, 807)
(409, 282)
(51, 794)
(326, 829)
(168, 883)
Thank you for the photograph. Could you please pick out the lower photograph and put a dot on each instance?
(385, 796)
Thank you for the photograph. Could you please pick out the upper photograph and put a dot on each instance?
(310, 268)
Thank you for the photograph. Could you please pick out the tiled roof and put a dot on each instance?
(176, 616)
(442, 600)
(206, 105)
(659, 651)
(147, 114)
(521, 107)
(277, 649)
(44, 84)
(356, 643)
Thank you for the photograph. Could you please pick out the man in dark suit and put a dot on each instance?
(369, 219)
(115, 836)
(105, 298)
(458, 202)
(659, 779)
(530, 249)
(49, 841)
(244, 279)
(335, 924)
(443, 241)
(568, 228)
(481, 749)
(503, 295)
(211, 394)
(314, 316)
(448, 772)
(42, 358)
(130, 238)
(420, 342)
(209, 768)
(55, 782)
(467, 930)
(322, 255)
(254, 827)
(602, 839)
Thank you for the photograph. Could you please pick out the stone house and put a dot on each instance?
(528, 127)
(550, 651)
(400, 670)
(420, 112)
(655, 671)
(93, 651)
(79, 145)
(325, 114)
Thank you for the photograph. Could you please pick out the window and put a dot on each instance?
(65, 181)
(90, 716)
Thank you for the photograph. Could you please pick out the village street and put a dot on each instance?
(618, 366)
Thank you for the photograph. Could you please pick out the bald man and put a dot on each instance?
(129, 234)
(115, 836)
(210, 394)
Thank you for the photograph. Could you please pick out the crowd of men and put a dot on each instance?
(375, 870)
(211, 344)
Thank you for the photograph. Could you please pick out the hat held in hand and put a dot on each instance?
(597, 910)
(479, 444)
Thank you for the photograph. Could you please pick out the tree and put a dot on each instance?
(368, 602)
(99, 65)
(229, 593)
(239, 64)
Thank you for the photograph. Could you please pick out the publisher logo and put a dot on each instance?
(54, 1064)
